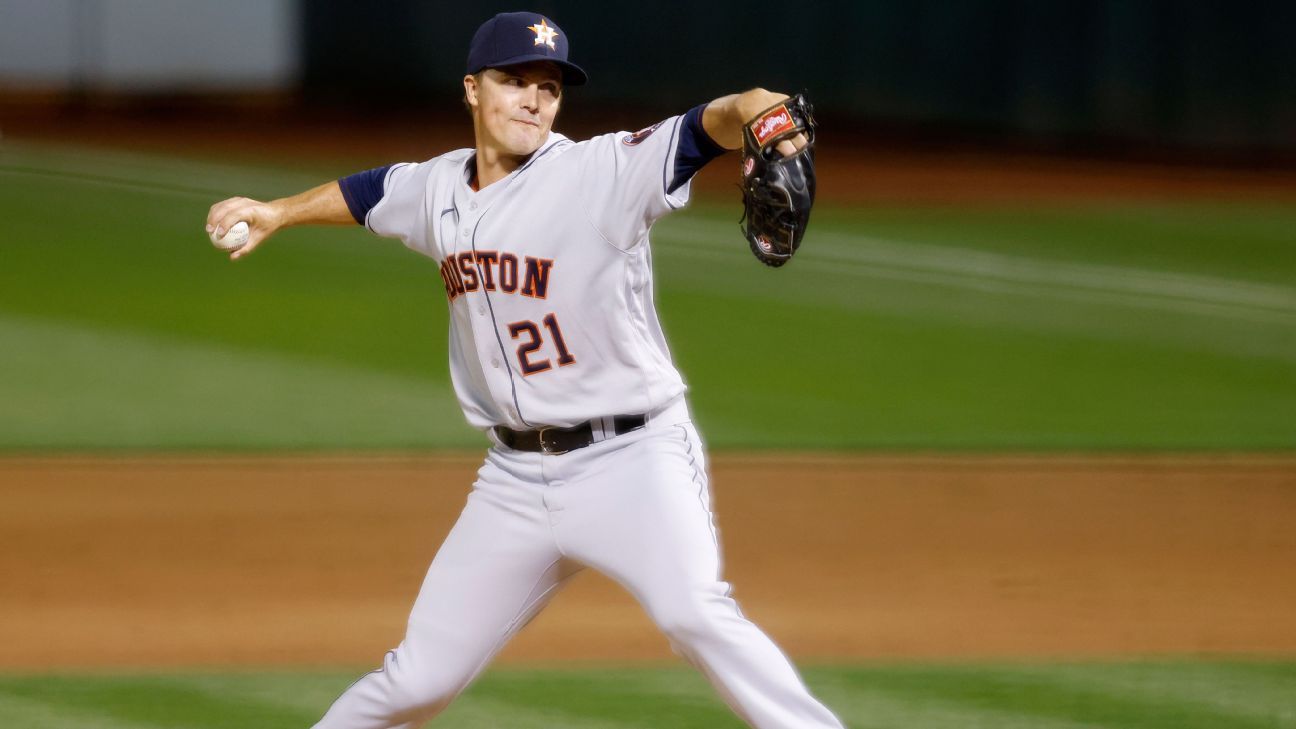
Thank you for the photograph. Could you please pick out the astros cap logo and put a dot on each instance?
(544, 34)
(512, 38)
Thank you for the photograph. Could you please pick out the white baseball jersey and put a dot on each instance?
(549, 283)
(548, 272)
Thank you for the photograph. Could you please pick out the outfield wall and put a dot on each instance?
(1199, 75)
(1196, 76)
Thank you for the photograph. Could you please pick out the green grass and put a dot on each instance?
(1127, 695)
(1102, 326)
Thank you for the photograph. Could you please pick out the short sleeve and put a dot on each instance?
(631, 180)
(390, 200)
(363, 190)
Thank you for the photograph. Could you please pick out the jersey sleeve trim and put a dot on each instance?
(667, 189)
(363, 190)
(694, 150)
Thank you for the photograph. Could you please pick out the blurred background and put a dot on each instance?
(1041, 226)
(1213, 78)
(1010, 443)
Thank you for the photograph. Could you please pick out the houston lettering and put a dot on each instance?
(496, 271)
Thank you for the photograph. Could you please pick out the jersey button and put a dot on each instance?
(473, 206)
(481, 310)
(494, 363)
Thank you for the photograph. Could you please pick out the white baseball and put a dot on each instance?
(235, 238)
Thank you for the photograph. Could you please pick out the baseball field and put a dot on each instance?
(1010, 444)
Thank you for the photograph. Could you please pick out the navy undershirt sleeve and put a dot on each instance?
(695, 149)
(363, 190)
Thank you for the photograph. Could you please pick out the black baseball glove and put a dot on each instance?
(778, 191)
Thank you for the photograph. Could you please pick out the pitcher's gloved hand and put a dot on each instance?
(778, 187)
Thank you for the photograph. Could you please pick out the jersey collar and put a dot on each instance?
(465, 172)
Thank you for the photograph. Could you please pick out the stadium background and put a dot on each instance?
(1009, 444)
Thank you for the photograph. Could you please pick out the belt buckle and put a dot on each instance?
(544, 447)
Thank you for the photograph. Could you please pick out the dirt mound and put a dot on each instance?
(264, 561)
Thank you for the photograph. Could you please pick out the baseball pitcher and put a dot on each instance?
(542, 244)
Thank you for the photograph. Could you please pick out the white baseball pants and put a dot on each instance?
(635, 507)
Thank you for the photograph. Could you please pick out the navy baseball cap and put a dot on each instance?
(511, 38)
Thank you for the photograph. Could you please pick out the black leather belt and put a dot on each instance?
(556, 441)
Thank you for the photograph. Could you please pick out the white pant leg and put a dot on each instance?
(496, 569)
(638, 508)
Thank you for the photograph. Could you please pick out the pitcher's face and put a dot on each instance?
(514, 107)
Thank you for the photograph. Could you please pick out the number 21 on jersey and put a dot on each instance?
(533, 341)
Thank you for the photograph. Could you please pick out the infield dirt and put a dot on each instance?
(315, 560)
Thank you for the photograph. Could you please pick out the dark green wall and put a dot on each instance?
(1206, 75)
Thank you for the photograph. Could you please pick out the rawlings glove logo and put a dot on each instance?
(771, 123)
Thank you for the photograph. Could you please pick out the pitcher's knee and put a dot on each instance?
(417, 694)
(697, 617)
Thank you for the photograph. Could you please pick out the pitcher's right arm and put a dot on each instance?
(323, 205)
